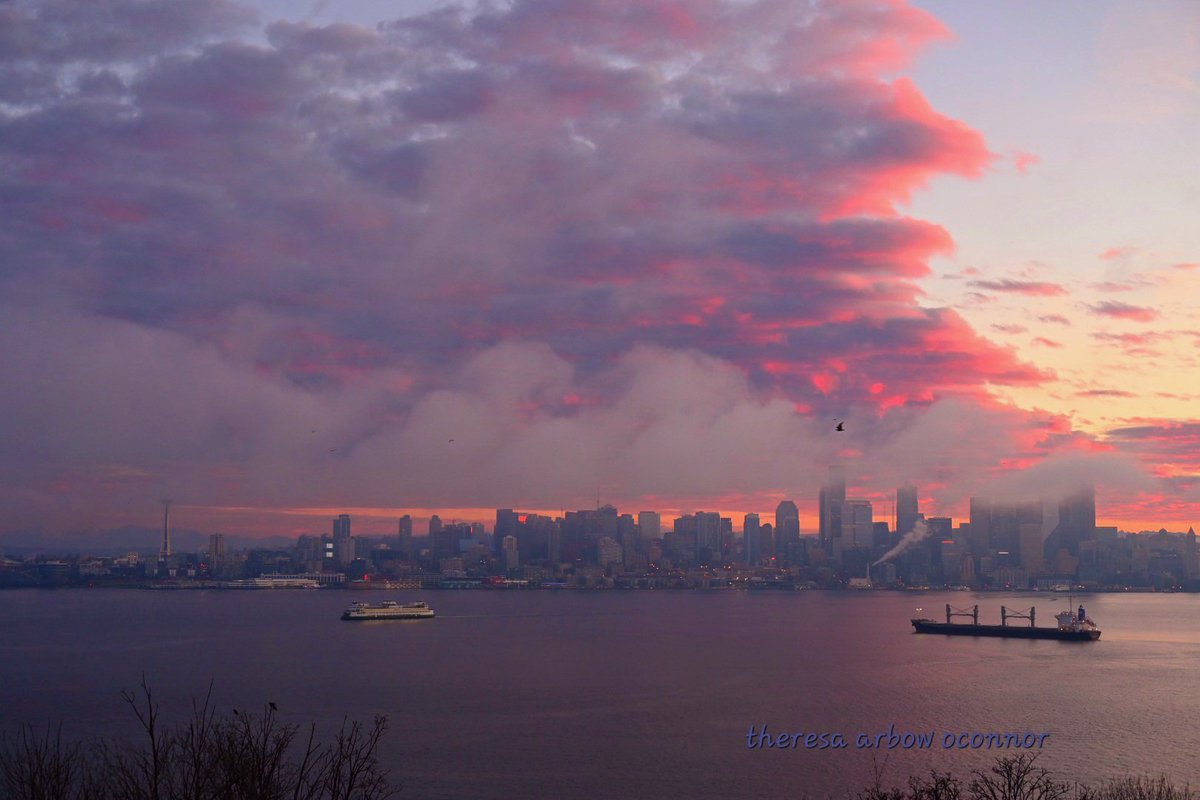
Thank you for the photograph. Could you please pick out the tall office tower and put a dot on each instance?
(708, 537)
(684, 530)
(506, 525)
(602, 522)
(343, 551)
(980, 537)
(627, 534)
(608, 552)
(940, 528)
(1005, 531)
(882, 535)
(216, 548)
(1028, 512)
(1031, 548)
(343, 544)
(906, 509)
(941, 537)
(751, 539)
(766, 535)
(554, 544)
(651, 524)
(858, 524)
(341, 527)
(1077, 518)
(787, 532)
(435, 525)
(308, 553)
(404, 537)
(165, 551)
(830, 500)
(1191, 566)
(446, 541)
(508, 550)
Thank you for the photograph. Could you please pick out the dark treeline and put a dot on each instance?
(242, 756)
(1021, 778)
(247, 756)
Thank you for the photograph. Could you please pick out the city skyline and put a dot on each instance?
(900, 509)
(1011, 544)
(280, 260)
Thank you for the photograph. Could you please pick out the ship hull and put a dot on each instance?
(1003, 631)
(367, 616)
(366, 612)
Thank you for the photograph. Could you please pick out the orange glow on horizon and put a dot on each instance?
(382, 520)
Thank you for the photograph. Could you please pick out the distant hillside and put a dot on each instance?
(119, 541)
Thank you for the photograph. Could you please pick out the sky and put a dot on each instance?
(284, 260)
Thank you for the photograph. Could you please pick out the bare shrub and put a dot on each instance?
(245, 756)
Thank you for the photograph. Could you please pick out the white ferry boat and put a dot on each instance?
(389, 609)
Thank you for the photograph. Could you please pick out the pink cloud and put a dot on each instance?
(527, 227)
(1104, 393)
(1124, 311)
(1023, 161)
(1112, 286)
(1032, 288)
(1114, 253)
(1055, 319)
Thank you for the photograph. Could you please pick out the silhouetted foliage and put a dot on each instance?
(1020, 778)
(1137, 788)
(242, 757)
(1016, 778)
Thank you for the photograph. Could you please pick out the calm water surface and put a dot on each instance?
(625, 694)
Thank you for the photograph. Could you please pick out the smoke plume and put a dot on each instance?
(919, 532)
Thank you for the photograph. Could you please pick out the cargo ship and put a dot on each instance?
(387, 610)
(1071, 627)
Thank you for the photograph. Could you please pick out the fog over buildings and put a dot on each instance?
(1049, 542)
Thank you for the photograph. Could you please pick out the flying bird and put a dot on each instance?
(840, 427)
(451, 442)
(273, 706)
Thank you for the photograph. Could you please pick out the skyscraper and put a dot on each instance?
(708, 537)
(506, 525)
(509, 553)
(1031, 548)
(980, 536)
(858, 524)
(216, 550)
(343, 544)
(787, 532)
(629, 538)
(405, 535)
(341, 527)
(906, 509)
(1076, 521)
(650, 523)
(751, 540)
(554, 544)
(830, 500)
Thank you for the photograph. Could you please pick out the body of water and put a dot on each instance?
(642, 694)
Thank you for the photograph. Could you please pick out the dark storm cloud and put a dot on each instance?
(335, 227)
